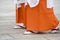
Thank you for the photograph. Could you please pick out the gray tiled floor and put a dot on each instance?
(7, 22)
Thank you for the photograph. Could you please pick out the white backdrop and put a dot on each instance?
(7, 8)
(57, 8)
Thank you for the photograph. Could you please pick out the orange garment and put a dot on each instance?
(41, 18)
(20, 14)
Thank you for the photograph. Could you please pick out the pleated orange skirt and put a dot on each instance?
(40, 18)
(20, 14)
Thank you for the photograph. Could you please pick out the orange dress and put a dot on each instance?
(40, 18)
(20, 14)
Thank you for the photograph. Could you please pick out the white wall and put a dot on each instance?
(57, 8)
(7, 8)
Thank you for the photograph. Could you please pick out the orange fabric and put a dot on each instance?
(41, 18)
(20, 14)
